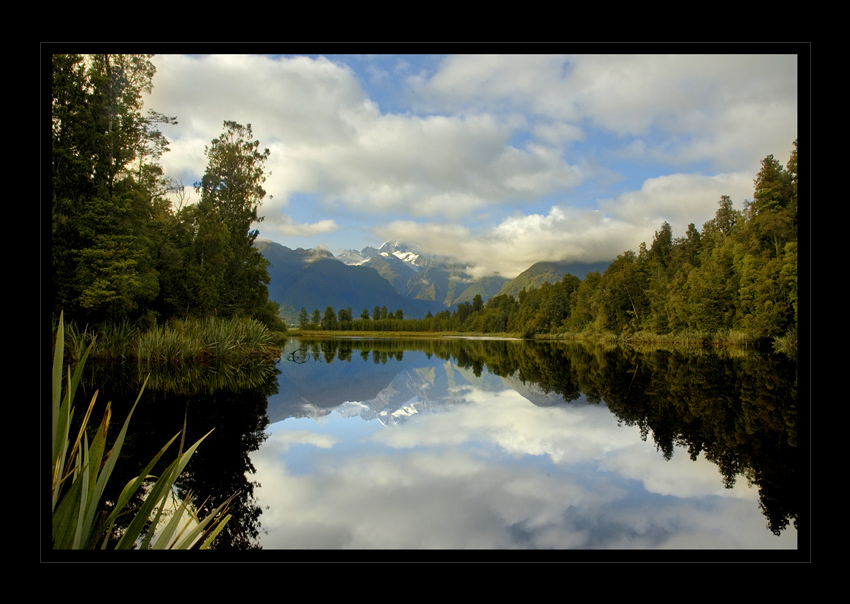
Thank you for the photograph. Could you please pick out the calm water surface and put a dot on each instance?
(358, 444)
(506, 444)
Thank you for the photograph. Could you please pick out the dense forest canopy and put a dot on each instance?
(120, 249)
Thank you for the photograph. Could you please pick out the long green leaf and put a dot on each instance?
(83, 481)
(214, 533)
(65, 517)
(147, 508)
(56, 381)
(159, 491)
(129, 489)
(163, 539)
(108, 467)
(207, 525)
(93, 495)
(80, 476)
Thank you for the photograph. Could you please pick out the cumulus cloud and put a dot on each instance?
(679, 199)
(718, 108)
(328, 137)
(572, 234)
(284, 225)
(500, 160)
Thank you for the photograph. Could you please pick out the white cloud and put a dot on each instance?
(679, 199)
(284, 225)
(565, 233)
(327, 137)
(501, 134)
(724, 109)
(573, 234)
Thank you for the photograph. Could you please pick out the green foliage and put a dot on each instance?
(82, 469)
(177, 341)
(731, 284)
(119, 249)
(106, 186)
(329, 320)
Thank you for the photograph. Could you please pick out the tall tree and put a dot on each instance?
(231, 192)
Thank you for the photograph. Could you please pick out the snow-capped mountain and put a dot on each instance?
(390, 249)
(356, 258)
(416, 259)
(396, 275)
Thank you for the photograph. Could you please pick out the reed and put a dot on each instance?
(176, 341)
(786, 344)
(81, 471)
(732, 338)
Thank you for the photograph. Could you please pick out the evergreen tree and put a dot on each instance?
(231, 193)
(329, 320)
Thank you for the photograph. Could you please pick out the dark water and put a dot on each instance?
(488, 444)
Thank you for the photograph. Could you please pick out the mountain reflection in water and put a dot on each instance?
(459, 444)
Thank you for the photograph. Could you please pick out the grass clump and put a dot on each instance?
(176, 341)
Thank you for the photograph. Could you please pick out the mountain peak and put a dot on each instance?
(404, 252)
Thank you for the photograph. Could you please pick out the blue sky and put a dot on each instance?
(499, 160)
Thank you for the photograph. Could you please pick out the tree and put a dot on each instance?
(622, 291)
(231, 193)
(477, 303)
(329, 320)
(303, 320)
(234, 178)
(772, 215)
(107, 186)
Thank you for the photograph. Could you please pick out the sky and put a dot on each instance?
(500, 161)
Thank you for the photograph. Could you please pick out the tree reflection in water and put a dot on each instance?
(738, 410)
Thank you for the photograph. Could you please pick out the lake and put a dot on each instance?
(482, 444)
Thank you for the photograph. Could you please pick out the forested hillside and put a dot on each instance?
(120, 251)
(738, 273)
(735, 278)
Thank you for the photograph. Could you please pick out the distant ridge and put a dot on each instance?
(314, 279)
(549, 272)
(395, 275)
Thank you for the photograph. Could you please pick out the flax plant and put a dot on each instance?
(81, 471)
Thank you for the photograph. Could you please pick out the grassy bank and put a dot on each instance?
(175, 341)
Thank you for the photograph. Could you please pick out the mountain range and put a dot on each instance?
(395, 275)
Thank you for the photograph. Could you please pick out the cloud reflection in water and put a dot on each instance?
(491, 470)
